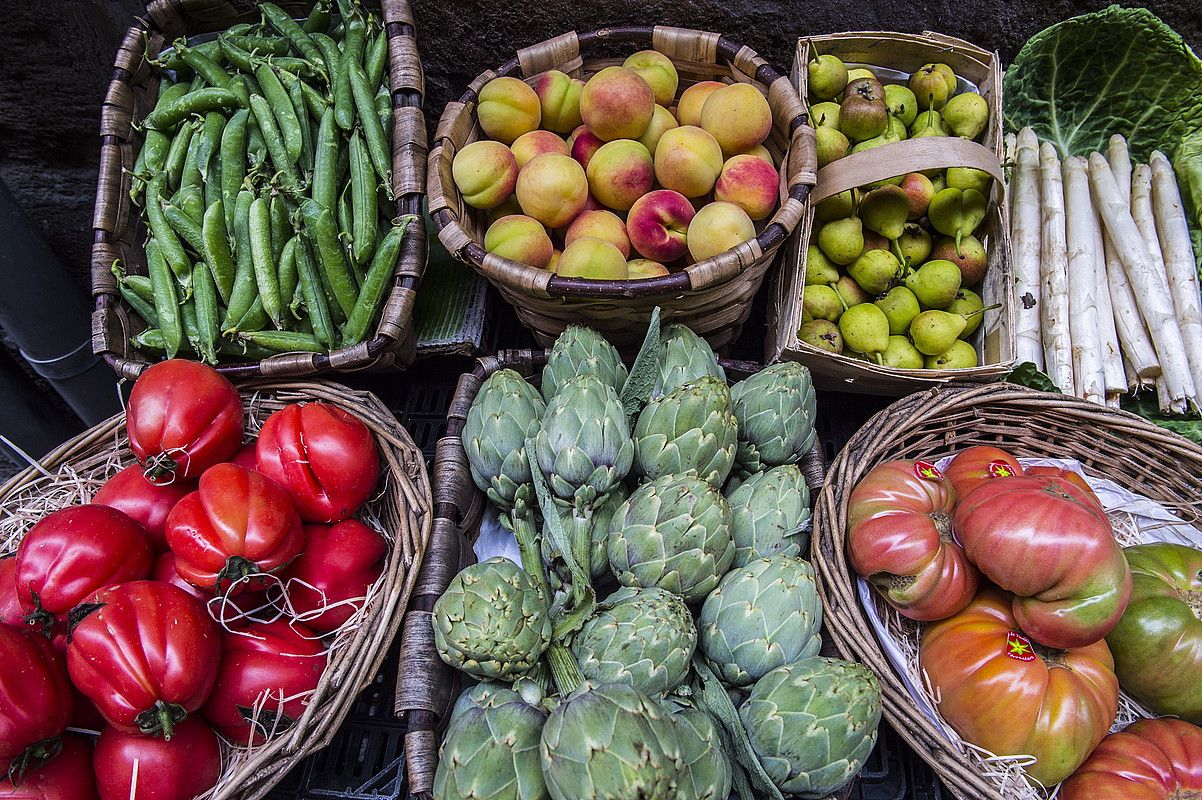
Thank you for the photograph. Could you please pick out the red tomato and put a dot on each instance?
(263, 664)
(976, 465)
(11, 612)
(1000, 691)
(146, 503)
(237, 524)
(71, 553)
(246, 457)
(146, 657)
(1151, 759)
(324, 458)
(67, 776)
(187, 766)
(899, 537)
(35, 695)
(338, 565)
(1044, 540)
(1070, 476)
(164, 570)
(183, 418)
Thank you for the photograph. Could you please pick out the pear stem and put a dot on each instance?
(981, 310)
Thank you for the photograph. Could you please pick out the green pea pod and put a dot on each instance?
(167, 243)
(152, 339)
(239, 87)
(236, 55)
(198, 82)
(209, 141)
(352, 53)
(200, 101)
(212, 187)
(177, 153)
(260, 45)
(190, 200)
(255, 318)
(284, 341)
(243, 294)
(284, 24)
(217, 253)
(204, 65)
(266, 277)
(191, 177)
(139, 284)
(176, 59)
(187, 315)
(205, 293)
(297, 95)
(376, 59)
(281, 228)
(318, 19)
(144, 309)
(281, 108)
(330, 54)
(185, 226)
(319, 223)
(377, 145)
(153, 155)
(243, 28)
(256, 148)
(325, 161)
(344, 232)
(364, 211)
(287, 273)
(166, 305)
(233, 164)
(383, 102)
(313, 295)
(274, 141)
(169, 95)
(375, 285)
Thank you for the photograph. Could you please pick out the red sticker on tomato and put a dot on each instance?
(1000, 469)
(927, 471)
(1019, 647)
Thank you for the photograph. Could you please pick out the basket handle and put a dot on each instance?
(909, 155)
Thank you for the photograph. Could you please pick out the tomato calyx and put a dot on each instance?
(236, 568)
(943, 525)
(893, 581)
(1185, 794)
(33, 758)
(160, 466)
(77, 614)
(40, 616)
(1193, 599)
(267, 721)
(161, 719)
(1055, 659)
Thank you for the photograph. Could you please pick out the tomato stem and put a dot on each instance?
(1193, 599)
(236, 568)
(33, 758)
(161, 719)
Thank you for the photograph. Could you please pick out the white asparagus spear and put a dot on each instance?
(1113, 373)
(1009, 151)
(1024, 221)
(1151, 293)
(1162, 394)
(1053, 274)
(1027, 138)
(1173, 232)
(1133, 380)
(1084, 326)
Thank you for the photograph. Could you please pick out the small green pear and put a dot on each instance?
(875, 270)
(825, 114)
(859, 72)
(933, 332)
(863, 114)
(823, 334)
(885, 210)
(887, 137)
(919, 190)
(819, 269)
(837, 206)
(928, 123)
(929, 87)
(949, 77)
(832, 145)
(966, 114)
(842, 240)
(915, 245)
(821, 302)
(969, 305)
(969, 178)
(960, 355)
(935, 283)
(972, 259)
(901, 354)
(901, 307)
(827, 76)
(896, 129)
(865, 329)
(956, 212)
(901, 102)
(938, 181)
(850, 292)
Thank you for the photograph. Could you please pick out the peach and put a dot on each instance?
(553, 264)
(604, 225)
(688, 110)
(519, 238)
(750, 183)
(658, 223)
(485, 173)
(591, 258)
(619, 173)
(582, 144)
(559, 98)
(688, 160)
(617, 103)
(738, 116)
(717, 228)
(507, 108)
(645, 268)
(662, 121)
(592, 204)
(508, 207)
(535, 143)
(762, 153)
(659, 72)
(552, 188)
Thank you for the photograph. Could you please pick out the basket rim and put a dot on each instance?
(801, 179)
(407, 272)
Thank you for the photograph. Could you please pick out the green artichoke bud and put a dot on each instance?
(506, 410)
(611, 741)
(492, 621)
(775, 408)
(683, 358)
(490, 750)
(584, 445)
(767, 514)
(673, 533)
(582, 351)
(707, 771)
(599, 531)
(644, 637)
(761, 616)
(689, 430)
(813, 723)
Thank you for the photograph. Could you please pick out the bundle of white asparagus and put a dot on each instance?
(1108, 297)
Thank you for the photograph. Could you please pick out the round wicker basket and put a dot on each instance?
(1131, 451)
(713, 297)
(400, 511)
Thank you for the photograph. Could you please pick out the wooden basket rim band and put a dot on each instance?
(898, 158)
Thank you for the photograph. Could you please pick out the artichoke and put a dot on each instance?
(707, 771)
(689, 430)
(644, 637)
(584, 446)
(506, 410)
(609, 742)
(813, 723)
(582, 351)
(673, 533)
(761, 616)
(683, 358)
(492, 621)
(775, 409)
(767, 514)
(598, 532)
(490, 750)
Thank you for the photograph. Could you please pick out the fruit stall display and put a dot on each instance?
(684, 168)
(206, 581)
(252, 212)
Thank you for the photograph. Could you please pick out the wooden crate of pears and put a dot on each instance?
(899, 276)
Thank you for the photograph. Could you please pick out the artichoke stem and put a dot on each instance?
(564, 669)
(532, 563)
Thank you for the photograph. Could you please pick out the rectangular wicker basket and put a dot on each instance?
(118, 232)
(994, 341)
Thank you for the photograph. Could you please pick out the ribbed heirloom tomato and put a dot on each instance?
(1001, 691)
(338, 565)
(980, 464)
(11, 612)
(899, 537)
(67, 776)
(144, 502)
(1151, 759)
(35, 696)
(181, 769)
(1068, 475)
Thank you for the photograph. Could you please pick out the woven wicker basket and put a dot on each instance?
(713, 297)
(118, 232)
(400, 512)
(427, 689)
(1131, 451)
